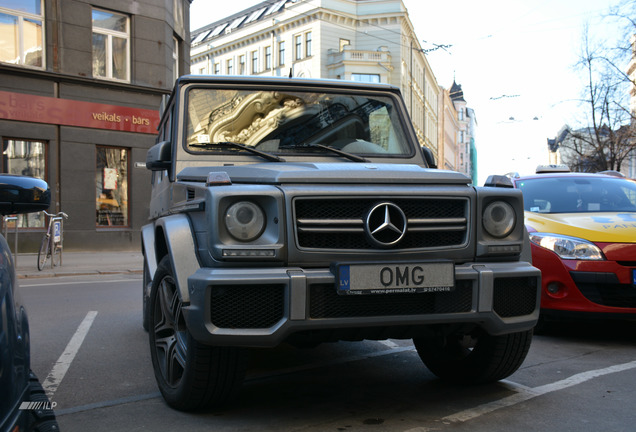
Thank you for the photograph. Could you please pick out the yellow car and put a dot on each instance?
(583, 237)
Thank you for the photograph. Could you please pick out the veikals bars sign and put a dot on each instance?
(67, 112)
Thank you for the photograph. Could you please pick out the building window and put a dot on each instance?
(369, 78)
(21, 33)
(217, 68)
(175, 59)
(281, 53)
(111, 186)
(25, 157)
(111, 45)
(254, 62)
(344, 43)
(242, 64)
(268, 58)
(230, 66)
(308, 44)
(298, 47)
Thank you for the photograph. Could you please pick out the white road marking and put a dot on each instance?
(22, 285)
(60, 368)
(526, 393)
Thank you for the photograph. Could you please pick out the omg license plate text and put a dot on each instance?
(395, 278)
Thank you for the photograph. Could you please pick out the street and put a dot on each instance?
(89, 350)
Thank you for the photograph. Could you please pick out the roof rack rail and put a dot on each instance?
(553, 168)
(613, 173)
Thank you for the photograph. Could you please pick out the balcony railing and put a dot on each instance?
(349, 56)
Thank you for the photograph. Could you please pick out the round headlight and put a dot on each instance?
(245, 221)
(499, 219)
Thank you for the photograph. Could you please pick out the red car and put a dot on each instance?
(583, 237)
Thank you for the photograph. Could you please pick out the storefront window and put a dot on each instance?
(111, 184)
(21, 24)
(25, 157)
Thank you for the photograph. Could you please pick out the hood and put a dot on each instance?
(316, 173)
(595, 227)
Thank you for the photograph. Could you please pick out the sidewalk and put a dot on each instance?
(81, 263)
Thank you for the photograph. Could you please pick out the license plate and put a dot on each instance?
(385, 278)
(634, 277)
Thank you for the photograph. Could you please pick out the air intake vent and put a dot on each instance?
(515, 296)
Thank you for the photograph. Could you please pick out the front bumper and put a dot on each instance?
(261, 307)
(597, 287)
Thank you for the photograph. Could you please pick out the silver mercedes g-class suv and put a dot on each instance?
(299, 211)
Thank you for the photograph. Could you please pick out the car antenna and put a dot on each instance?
(291, 74)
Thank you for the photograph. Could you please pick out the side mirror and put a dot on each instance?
(159, 156)
(429, 158)
(23, 194)
(499, 181)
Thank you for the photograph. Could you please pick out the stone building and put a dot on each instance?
(80, 87)
(466, 150)
(369, 41)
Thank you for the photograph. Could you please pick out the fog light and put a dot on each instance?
(553, 288)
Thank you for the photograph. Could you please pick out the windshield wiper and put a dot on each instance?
(345, 154)
(264, 155)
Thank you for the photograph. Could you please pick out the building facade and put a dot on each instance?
(466, 149)
(369, 41)
(448, 132)
(80, 87)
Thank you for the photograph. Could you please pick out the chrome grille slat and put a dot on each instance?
(330, 230)
(437, 228)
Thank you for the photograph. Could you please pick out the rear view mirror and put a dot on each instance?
(498, 181)
(23, 194)
(159, 156)
(428, 156)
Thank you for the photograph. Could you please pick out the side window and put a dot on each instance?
(22, 33)
(25, 157)
(175, 59)
(111, 187)
(111, 45)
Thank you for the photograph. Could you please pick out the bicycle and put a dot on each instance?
(51, 246)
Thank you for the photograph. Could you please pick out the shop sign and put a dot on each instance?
(67, 112)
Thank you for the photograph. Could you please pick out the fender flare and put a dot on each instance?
(179, 243)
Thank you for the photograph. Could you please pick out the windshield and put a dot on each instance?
(578, 194)
(293, 122)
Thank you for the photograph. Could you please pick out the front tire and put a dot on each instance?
(475, 357)
(144, 297)
(44, 252)
(190, 375)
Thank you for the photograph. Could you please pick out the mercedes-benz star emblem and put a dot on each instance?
(385, 224)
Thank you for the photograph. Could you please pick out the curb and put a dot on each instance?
(45, 274)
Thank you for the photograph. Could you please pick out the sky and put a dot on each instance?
(513, 58)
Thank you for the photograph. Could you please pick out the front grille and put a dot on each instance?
(515, 296)
(245, 306)
(339, 223)
(325, 302)
(605, 289)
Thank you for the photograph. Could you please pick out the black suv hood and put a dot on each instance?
(365, 173)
